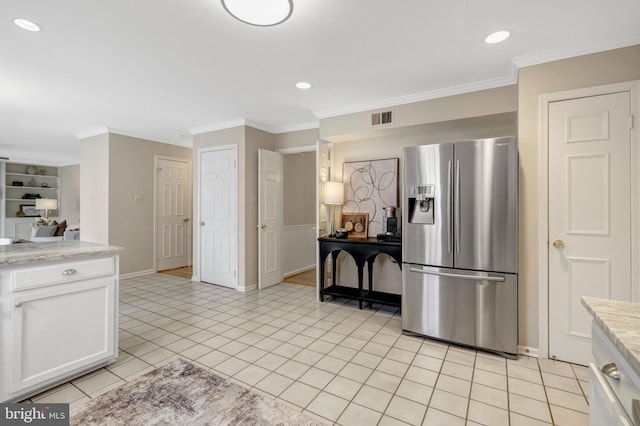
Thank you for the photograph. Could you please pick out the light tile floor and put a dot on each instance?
(331, 360)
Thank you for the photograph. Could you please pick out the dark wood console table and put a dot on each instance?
(362, 251)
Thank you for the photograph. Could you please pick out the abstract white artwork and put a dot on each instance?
(368, 187)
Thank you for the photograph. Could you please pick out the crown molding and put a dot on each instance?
(92, 132)
(298, 127)
(109, 130)
(570, 52)
(506, 80)
(214, 127)
(217, 126)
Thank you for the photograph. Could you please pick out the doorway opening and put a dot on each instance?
(299, 233)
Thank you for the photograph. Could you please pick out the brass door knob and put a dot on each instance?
(186, 219)
(558, 244)
(261, 226)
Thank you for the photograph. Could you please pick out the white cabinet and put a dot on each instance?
(615, 386)
(59, 320)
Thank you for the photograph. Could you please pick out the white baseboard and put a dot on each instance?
(250, 287)
(137, 274)
(528, 351)
(299, 271)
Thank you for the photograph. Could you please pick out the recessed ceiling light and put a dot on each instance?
(26, 24)
(303, 85)
(262, 13)
(497, 37)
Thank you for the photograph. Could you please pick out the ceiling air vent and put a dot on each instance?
(380, 118)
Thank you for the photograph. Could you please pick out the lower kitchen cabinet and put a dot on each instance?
(614, 385)
(58, 321)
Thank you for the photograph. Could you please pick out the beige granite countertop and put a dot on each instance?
(25, 253)
(620, 322)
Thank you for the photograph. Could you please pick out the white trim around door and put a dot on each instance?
(189, 204)
(199, 220)
(543, 209)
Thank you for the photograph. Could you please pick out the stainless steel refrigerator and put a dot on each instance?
(460, 243)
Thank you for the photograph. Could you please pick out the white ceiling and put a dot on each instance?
(160, 68)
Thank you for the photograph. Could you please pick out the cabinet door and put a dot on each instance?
(58, 331)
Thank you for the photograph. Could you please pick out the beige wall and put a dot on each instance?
(249, 140)
(132, 173)
(299, 182)
(584, 71)
(70, 194)
(114, 169)
(297, 139)
(94, 189)
(468, 105)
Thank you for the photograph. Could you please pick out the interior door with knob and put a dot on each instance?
(218, 225)
(270, 218)
(589, 215)
(173, 214)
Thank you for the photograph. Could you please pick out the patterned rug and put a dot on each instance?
(181, 393)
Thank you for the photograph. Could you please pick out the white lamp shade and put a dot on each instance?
(46, 204)
(333, 192)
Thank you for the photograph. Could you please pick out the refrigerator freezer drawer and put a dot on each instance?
(471, 308)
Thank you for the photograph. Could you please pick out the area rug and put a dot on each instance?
(181, 393)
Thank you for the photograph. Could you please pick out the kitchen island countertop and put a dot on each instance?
(26, 253)
(620, 322)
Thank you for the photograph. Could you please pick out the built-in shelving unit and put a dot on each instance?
(37, 181)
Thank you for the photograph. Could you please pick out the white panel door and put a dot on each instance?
(218, 217)
(270, 218)
(173, 236)
(589, 215)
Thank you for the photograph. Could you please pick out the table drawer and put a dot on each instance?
(38, 276)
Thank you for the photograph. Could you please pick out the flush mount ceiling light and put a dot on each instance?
(303, 85)
(497, 37)
(26, 24)
(262, 13)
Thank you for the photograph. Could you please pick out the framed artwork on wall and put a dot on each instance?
(368, 187)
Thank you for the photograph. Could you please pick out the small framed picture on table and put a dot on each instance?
(356, 225)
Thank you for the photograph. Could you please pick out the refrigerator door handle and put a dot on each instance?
(461, 276)
(449, 200)
(456, 212)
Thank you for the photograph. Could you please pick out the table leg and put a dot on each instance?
(360, 279)
(322, 279)
(370, 270)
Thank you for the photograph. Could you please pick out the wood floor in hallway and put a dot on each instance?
(184, 272)
(307, 278)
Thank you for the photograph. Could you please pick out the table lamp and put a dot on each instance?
(46, 204)
(333, 195)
